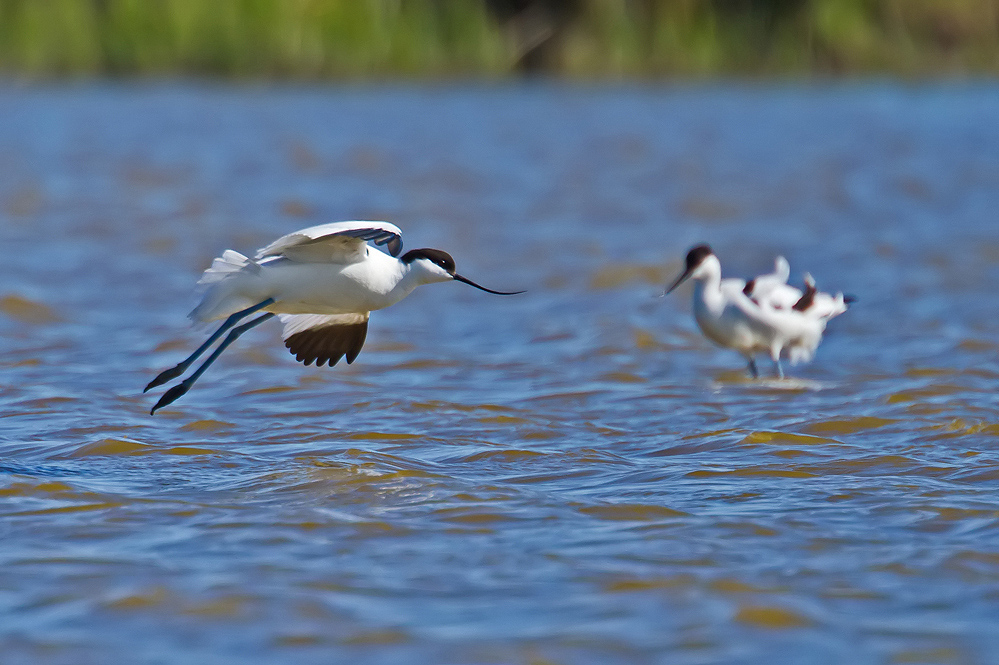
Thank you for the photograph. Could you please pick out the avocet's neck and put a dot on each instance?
(386, 279)
(707, 285)
(417, 273)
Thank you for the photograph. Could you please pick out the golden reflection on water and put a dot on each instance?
(571, 476)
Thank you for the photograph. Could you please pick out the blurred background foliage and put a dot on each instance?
(319, 39)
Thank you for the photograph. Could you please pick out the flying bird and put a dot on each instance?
(764, 315)
(322, 282)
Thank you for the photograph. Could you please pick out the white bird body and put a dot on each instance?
(764, 323)
(828, 306)
(772, 288)
(322, 282)
(731, 319)
(824, 305)
(376, 282)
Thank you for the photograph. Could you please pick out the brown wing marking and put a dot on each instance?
(329, 343)
(807, 298)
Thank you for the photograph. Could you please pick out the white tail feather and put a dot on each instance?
(223, 296)
(230, 262)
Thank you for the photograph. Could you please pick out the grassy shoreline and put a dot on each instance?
(361, 39)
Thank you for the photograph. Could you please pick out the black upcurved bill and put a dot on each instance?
(482, 288)
(679, 280)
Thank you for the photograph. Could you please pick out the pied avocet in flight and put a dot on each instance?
(764, 315)
(322, 282)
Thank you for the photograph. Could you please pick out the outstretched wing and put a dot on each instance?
(339, 242)
(324, 338)
(822, 305)
(772, 288)
(789, 324)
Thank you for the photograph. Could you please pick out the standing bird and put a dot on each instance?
(322, 282)
(750, 319)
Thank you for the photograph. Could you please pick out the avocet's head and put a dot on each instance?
(434, 265)
(701, 261)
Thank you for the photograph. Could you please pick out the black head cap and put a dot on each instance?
(694, 259)
(441, 258)
(696, 255)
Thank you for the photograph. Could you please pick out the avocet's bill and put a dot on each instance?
(764, 315)
(322, 282)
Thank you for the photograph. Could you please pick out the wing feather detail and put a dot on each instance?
(324, 339)
(338, 242)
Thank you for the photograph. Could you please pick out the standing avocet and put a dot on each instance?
(765, 315)
(322, 282)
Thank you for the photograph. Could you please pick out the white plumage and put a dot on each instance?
(338, 242)
(322, 281)
(764, 315)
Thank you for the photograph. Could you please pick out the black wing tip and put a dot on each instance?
(391, 241)
(378, 236)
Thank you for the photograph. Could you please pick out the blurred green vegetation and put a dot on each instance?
(320, 39)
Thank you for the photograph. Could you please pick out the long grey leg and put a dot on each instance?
(753, 371)
(174, 372)
(175, 393)
(775, 356)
